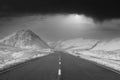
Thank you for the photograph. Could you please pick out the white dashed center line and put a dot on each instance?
(59, 63)
(59, 58)
(59, 70)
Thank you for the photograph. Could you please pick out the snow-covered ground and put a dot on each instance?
(106, 62)
(10, 58)
(110, 45)
(78, 43)
(109, 59)
(102, 52)
(21, 46)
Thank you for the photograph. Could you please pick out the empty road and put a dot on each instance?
(59, 66)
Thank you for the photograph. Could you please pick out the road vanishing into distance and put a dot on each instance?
(59, 66)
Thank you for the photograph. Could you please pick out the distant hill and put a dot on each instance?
(25, 39)
(91, 44)
(110, 45)
(78, 43)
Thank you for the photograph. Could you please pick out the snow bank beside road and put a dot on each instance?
(78, 43)
(108, 63)
(20, 57)
(103, 52)
(109, 59)
(110, 55)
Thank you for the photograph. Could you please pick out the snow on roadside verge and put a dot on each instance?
(108, 63)
(16, 61)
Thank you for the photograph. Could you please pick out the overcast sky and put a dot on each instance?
(96, 8)
(62, 19)
(62, 26)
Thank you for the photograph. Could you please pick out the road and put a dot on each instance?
(59, 66)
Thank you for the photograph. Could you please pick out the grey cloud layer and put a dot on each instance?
(60, 26)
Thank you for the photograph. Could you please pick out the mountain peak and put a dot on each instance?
(25, 31)
(24, 38)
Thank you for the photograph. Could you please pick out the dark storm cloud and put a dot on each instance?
(103, 21)
(100, 9)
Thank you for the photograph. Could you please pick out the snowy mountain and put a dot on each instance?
(21, 46)
(110, 45)
(79, 43)
(90, 44)
(25, 39)
(102, 52)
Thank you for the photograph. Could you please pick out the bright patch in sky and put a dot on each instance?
(78, 19)
(62, 26)
(77, 22)
(75, 18)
